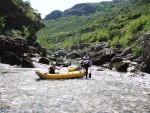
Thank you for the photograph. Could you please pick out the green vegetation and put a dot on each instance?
(19, 19)
(137, 51)
(117, 21)
(27, 8)
(2, 22)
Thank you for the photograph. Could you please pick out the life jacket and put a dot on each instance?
(51, 70)
(86, 63)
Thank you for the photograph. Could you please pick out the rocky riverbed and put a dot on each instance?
(21, 91)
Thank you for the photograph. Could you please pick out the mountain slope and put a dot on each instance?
(117, 21)
(19, 15)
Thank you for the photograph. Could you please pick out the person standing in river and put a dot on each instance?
(86, 63)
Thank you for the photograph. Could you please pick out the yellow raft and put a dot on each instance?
(69, 75)
(71, 69)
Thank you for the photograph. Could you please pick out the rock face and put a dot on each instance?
(17, 35)
(126, 51)
(99, 47)
(10, 58)
(146, 45)
(102, 56)
(14, 59)
(17, 45)
(121, 59)
(145, 66)
(17, 13)
(53, 15)
(116, 59)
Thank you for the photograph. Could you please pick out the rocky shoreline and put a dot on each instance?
(119, 59)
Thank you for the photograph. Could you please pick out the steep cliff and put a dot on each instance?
(18, 14)
(18, 26)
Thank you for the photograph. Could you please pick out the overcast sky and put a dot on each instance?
(47, 6)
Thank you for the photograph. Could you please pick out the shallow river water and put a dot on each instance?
(21, 91)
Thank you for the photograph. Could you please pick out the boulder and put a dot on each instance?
(31, 55)
(43, 52)
(126, 51)
(10, 58)
(145, 66)
(66, 64)
(100, 47)
(146, 45)
(139, 60)
(130, 57)
(118, 50)
(73, 55)
(44, 60)
(116, 59)
(101, 57)
(122, 67)
(27, 63)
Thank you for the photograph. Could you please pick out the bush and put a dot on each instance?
(103, 35)
(126, 40)
(137, 51)
(115, 41)
(2, 22)
(138, 24)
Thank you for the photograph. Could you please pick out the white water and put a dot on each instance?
(21, 91)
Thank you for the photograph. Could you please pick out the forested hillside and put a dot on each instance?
(19, 23)
(18, 18)
(117, 21)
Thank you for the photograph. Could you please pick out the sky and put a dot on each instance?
(47, 6)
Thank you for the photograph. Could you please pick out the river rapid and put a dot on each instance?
(21, 91)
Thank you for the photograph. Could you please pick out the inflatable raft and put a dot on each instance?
(69, 75)
(71, 69)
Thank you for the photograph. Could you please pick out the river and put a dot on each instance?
(21, 91)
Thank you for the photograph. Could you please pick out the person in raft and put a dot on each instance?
(52, 69)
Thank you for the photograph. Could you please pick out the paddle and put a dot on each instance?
(90, 73)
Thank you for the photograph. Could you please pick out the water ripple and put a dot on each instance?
(107, 92)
